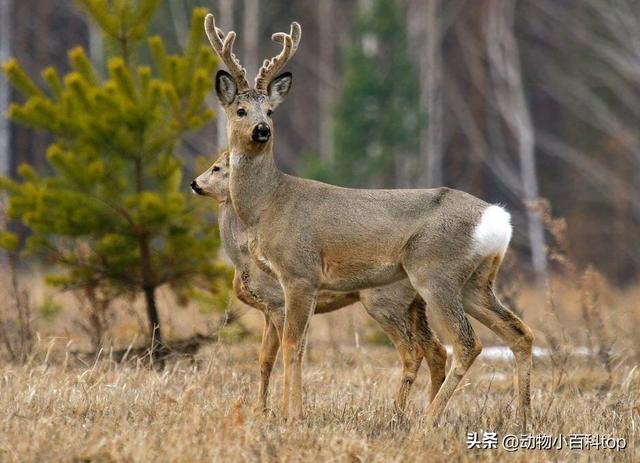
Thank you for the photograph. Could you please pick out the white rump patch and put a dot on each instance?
(493, 233)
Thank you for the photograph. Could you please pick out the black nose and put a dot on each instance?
(196, 188)
(261, 133)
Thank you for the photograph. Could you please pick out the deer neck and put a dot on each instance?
(253, 183)
(232, 234)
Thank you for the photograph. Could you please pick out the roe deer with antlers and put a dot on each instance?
(396, 307)
(313, 236)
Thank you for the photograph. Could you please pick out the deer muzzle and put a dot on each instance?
(196, 188)
(261, 133)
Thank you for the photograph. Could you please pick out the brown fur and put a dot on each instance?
(396, 307)
(372, 238)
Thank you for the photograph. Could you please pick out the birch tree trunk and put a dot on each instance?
(180, 20)
(431, 139)
(5, 95)
(250, 31)
(226, 23)
(96, 46)
(506, 72)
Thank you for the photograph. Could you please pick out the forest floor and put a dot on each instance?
(202, 409)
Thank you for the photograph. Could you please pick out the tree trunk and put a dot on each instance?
(326, 79)
(154, 319)
(431, 96)
(509, 91)
(250, 31)
(147, 276)
(226, 24)
(148, 286)
(180, 19)
(5, 94)
(96, 46)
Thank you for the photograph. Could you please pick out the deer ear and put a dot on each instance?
(279, 87)
(226, 88)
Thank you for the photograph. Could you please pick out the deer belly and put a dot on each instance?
(346, 273)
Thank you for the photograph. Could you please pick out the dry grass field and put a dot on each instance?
(55, 408)
(59, 406)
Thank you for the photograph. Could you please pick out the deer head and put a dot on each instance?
(214, 181)
(248, 110)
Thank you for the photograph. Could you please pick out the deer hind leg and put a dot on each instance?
(481, 302)
(397, 326)
(442, 294)
(411, 359)
(268, 353)
(400, 312)
(432, 349)
(300, 301)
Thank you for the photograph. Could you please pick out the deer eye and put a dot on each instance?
(216, 168)
(269, 112)
(241, 112)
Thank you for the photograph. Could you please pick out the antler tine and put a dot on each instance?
(271, 68)
(223, 46)
(295, 34)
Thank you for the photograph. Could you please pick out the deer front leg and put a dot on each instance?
(268, 353)
(300, 301)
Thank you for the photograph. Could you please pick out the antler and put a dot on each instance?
(271, 68)
(223, 46)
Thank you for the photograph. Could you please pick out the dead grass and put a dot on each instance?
(54, 409)
(57, 408)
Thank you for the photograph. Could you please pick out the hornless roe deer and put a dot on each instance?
(313, 236)
(396, 307)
